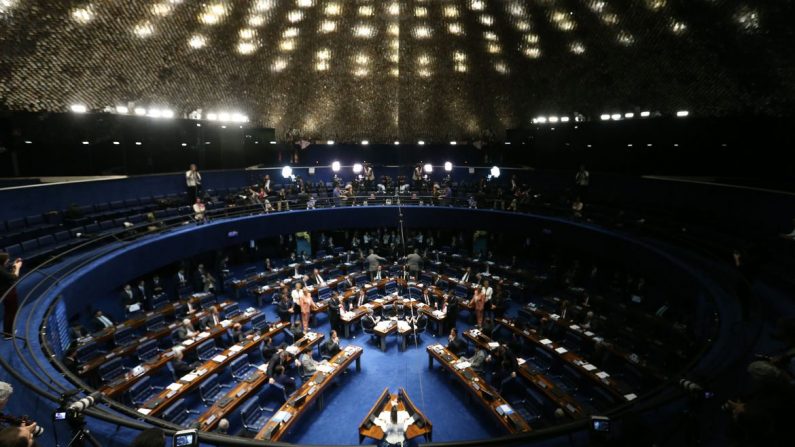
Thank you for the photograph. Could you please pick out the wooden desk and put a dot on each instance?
(385, 402)
(130, 348)
(593, 338)
(538, 381)
(106, 335)
(383, 329)
(599, 378)
(319, 381)
(514, 423)
(185, 384)
(245, 389)
(123, 384)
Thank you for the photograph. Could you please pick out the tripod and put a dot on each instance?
(80, 435)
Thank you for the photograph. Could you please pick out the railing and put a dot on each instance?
(104, 244)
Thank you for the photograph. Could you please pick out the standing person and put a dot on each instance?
(198, 211)
(581, 180)
(479, 303)
(487, 293)
(369, 176)
(306, 303)
(9, 274)
(193, 180)
(413, 261)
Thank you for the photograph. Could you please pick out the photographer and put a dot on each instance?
(9, 274)
(17, 429)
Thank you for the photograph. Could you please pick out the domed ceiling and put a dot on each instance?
(388, 69)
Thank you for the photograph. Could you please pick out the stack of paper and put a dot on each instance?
(463, 365)
(235, 348)
(602, 375)
(174, 386)
(219, 358)
(188, 377)
(561, 350)
(588, 367)
(546, 341)
(226, 323)
(281, 416)
(291, 349)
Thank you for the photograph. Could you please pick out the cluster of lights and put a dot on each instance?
(213, 13)
(227, 117)
(552, 119)
(631, 115)
(81, 15)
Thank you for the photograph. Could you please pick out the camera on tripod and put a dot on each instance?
(72, 414)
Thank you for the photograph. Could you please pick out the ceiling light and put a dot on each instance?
(428, 168)
(495, 171)
(287, 172)
(357, 168)
(78, 108)
(122, 109)
(365, 142)
(448, 166)
(421, 143)
(330, 142)
(682, 113)
(335, 166)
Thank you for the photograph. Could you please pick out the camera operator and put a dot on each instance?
(9, 273)
(16, 429)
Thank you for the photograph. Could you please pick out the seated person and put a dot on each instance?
(266, 348)
(100, 321)
(310, 365)
(181, 367)
(280, 358)
(185, 331)
(394, 428)
(370, 320)
(128, 297)
(297, 330)
(361, 299)
(283, 379)
(236, 334)
(211, 320)
(332, 345)
(478, 359)
(316, 279)
(455, 344)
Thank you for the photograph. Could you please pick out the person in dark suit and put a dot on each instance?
(283, 379)
(316, 279)
(370, 320)
(181, 367)
(452, 313)
(334, 310)
(128, 297)
(100, 321)
(361, 299)
(198, 278)
(280, 358)
(181, 283)
(185, 331)
(236, 334)
(211, 320)
(266, 348)
(284, 308)
(455, 344)
(141, 291)
(427, 297)
(297, 330)
(332, 345)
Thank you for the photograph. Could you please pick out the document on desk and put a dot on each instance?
(588, 367)
(235, 348)
(292, 349)
(561, 350)
(546, 341)
(219, 358)
(188, 342)
(174, 386)
(204, 334)
(494, 345)
(188, 377)
(382, 326)
(438, 314)
(324, 368)
(403, 326)
(602, 375)
(144, 411)
(463, 365)
(281, 416)
(226, 323)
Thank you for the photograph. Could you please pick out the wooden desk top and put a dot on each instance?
(384, 403)
(183, 385)
(514, 423)
(158, 362)
(573, 327)
(315, 385)
(539, 381)
(600, 378)
(106, 335)
(246, 388)
(129, 348)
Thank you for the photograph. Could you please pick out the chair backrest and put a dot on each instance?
(544, 355)
(249, 411)
(157, 301)
(176, 412)
(443, 284)
(273, 391)
(426, 278)
(460, 291)
(206, 350)
(207, 300)
(147, 350)
(123, 336)
(359, 280)
(87, 352)
(155, 322)
(323, 292)
(372, 292)
(209, 386)
(231, 311)
(414, 292)
(259, 322)
(111, 370)
(238, 367)
(390, 287)
(140, 390)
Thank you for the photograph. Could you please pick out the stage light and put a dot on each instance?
(448, 166)
(365, 142)
(453, 143)
(287, 172)
(167, 113)
(682, 113)
(78, 108)
(508, 143)
(140, 111)
(28, 142)
(421, 143)
(428, 168)
(645, 114)
(629, 115)
(615, 116)
(397, 143)
(541, 119)
(198, 124)
(495, 171)
(604, 117)
(223, 116)
(212, 116)
(137, 143)
(85, 142)
(357, 168)
(564, 119)
(184, 144)
(330, 142)
(335, 166)
(122, 109)
(223, 127)
(554, 119)
(155, 113)
(115, 143)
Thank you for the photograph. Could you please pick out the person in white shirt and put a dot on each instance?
(193, 180)
(296, 294)
(487, 292)
(467, 276)
(101, 321)
(198, 211)
(394, 427)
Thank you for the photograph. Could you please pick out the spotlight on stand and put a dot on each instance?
(335, 166)
(495, 172)
(287, 172)
(448, 166)
(428, 168)
(357, 168)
